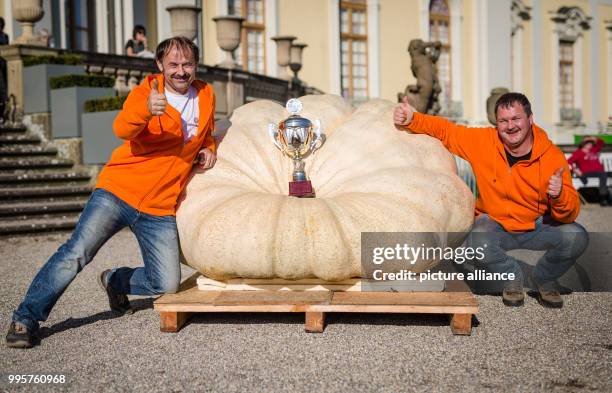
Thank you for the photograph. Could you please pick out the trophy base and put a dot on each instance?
(301, 189)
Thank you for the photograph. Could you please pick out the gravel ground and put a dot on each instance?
(529, 349)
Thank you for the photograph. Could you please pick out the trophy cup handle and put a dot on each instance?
(273, 132)
(319, 137)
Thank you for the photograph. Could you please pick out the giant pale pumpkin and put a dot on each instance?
(236, 220)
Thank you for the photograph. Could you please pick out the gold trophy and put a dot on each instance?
(297, 137)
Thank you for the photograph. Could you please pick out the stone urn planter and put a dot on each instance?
(27, 13)
(228, 37)
(184, 20)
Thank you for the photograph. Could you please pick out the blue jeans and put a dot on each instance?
(563, 243)
(104, 216)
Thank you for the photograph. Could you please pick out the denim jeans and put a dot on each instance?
(104, 216)
(563, 243)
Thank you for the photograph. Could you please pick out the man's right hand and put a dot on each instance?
(157, 101)
(403, 113)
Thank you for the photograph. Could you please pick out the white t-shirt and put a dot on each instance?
(187, 106)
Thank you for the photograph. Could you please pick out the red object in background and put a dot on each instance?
(588, 162)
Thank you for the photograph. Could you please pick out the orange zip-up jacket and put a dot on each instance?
(513, 196)
(150, 169)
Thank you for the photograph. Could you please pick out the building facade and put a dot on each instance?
(559, 53)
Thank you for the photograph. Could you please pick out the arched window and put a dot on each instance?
(439, 30)
(251, 53)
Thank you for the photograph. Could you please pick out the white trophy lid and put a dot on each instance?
(294, 106)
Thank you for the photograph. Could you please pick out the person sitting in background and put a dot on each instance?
(585, 163)
(137, 46)
(4, 38)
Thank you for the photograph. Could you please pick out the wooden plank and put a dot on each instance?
(393, 309)
(315, 322)
(404, 298)
(172, 322)
(265, 298)
(461, 324)
(190, 296)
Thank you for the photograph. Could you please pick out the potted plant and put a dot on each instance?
(99, 140)
(68, 96)
(36, 73)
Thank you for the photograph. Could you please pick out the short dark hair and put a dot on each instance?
(182, 43)
(584, 143)
(138, 29)
(508, 99)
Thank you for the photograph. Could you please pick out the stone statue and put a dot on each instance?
(13, 115)
(424, 95)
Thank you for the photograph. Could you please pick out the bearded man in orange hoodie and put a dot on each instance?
(167, 124)
(526, 198)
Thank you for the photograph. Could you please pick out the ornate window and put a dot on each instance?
(354, 49)
(570, 24)
(251, 53)
(439, 30)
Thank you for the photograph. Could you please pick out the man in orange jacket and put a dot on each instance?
(526, 198)
(166, 123)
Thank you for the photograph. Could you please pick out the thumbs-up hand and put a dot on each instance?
(403, 113)
(555, 184)
(156, 102)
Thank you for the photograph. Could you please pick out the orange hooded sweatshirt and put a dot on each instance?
(150, 169)
(513, 196)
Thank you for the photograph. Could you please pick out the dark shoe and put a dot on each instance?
(603, 201)
(117, 302)
(513, 295)
(548, 295)
(19, 336)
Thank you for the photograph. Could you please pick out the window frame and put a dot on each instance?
(244, 33)
(350, 37)
(435, 20)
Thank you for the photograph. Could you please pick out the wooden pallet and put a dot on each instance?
(457, 301)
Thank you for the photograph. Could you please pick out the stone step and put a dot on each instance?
(23, 210)
(65, 222)
(43, 177)
(46, 192)
(11, 139)
(27, 150)
(25, 163)
(4, 130)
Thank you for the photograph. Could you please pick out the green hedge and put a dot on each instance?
(105, 104)
(48, 59)
(60, 82)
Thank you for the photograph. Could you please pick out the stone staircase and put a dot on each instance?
(39, 191)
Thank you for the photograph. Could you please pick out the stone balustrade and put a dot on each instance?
(232, 87)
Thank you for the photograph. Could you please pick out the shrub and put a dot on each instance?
(105, 104)
(48, 59)
(60, 82)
